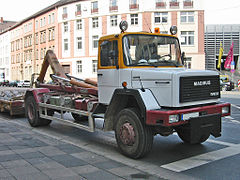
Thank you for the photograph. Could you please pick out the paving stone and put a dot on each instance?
(49, 165)
(90, 157)
(36, 161)
(84, 169)
(4, 174)
(34, 176)
(109, 164)
(31, 155)
(68, 148)
(18, 171)
(3, 148)
(50, 151)
(100, 175)
(35, 143)
(68, 160)
(71, 178)
(6, 152)
(27, 150)
(59, 173)
(15, 163)
(14, 147)
(10, 157)
(124, 171)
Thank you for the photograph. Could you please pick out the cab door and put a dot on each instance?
(108, 72)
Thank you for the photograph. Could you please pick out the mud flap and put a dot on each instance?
(209, 124)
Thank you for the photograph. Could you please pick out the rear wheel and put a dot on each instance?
(185, 136)
(134, 139)
(32, 114)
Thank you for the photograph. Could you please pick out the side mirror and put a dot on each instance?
(183, 57)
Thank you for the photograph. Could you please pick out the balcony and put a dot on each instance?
(94, 10)
(78, 13)
(174, 4)
(133, 6)
(187, 4)
(160, 5)
(64, 16)
(113, 8)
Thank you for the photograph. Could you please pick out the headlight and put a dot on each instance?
(225, 110)
(173, 118)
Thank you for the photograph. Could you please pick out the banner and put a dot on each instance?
(229, 58)
(220, 56)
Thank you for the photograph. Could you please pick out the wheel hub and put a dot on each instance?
(127, 134)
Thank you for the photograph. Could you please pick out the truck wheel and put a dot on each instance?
(79, 118)
(134, 139)
(184, 135)
(31, 112)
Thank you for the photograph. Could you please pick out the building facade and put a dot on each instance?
(72, 28)
(214, 36)
(5, 65)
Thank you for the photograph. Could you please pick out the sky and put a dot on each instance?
(216, 11)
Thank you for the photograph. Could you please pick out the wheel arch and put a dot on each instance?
(121, 99)
(36, 93)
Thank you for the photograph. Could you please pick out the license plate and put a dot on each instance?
(189, 115)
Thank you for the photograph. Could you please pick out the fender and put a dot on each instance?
(127, 98)
(37, 93)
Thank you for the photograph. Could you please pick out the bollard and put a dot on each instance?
(239, 85)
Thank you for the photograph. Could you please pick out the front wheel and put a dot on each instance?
(32, 114)
(134, 139)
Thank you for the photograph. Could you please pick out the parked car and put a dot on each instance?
(23, 83)
(226, 86)
(13, 83)
(4, 83)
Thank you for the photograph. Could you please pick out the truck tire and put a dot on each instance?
(79, 118)
(184, 134)
(134, 139)
(32, 114)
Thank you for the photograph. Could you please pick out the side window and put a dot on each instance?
(109, 53)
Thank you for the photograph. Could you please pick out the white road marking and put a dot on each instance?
(195, 161)
(235, 121)
(221, 142)
(229, 117)
(235, 106)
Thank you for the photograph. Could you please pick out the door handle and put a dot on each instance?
(99, 74)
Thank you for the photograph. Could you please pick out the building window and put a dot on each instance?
(187, 17)
(161, 17)
(44, 21)
(65, 44)
(65, 27)
(134, 19)
(95, 41)
(36, 24)
(94, 7)
(188, 62)
(160, 4)
(133, 4)
(64, 15)
(79, 24)
(53, 18)
(187, 37)
(94, 66)
(79, 67)
(113, 5)
(49, 19)
(79, 43)
(95, 22)
(78, 10)
(113, 20)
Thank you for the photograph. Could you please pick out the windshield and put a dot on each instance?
(151, 50)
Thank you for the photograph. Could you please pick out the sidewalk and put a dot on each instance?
(27, 155)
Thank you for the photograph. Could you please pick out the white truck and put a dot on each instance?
(142, 90)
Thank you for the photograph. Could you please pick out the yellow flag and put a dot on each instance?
(220, 56)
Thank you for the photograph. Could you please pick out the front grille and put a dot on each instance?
(197, 88)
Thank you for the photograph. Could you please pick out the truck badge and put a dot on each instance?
(202, 83)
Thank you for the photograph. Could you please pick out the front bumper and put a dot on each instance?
(161, 117)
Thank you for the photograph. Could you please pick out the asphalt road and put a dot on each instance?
(170, 158)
